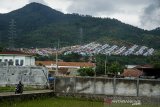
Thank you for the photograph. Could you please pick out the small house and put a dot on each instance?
(17, 59)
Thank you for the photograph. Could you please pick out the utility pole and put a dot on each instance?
(95, 68)
(106, 65)
(57, 58)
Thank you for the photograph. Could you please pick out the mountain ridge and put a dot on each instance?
(41, 26)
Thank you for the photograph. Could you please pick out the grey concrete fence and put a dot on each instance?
(30, 76)
(107, 86)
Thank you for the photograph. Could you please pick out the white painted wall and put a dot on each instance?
(27, 60)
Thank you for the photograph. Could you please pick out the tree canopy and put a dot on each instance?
(86, 71)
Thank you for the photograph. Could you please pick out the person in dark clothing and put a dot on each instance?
(51, 82)
(19, 88)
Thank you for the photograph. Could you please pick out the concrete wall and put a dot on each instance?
(104, 86)
(32, 76)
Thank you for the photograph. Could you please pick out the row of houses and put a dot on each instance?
(107, 49)
(70, 68)
(65, 68)
(131, 71)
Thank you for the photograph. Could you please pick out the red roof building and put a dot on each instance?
(132, 73)
(51, 64)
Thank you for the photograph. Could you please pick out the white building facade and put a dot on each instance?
(17, 59)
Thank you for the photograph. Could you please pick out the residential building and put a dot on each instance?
(142, 71)
(52, 64)
(65, 68)
(17, 59)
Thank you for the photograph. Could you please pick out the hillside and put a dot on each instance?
(40, 26)
(155, 31)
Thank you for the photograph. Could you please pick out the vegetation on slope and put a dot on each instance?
(40, 26)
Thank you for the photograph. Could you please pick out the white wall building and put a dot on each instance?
(17, 58)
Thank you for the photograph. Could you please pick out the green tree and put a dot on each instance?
(156, 64)
(1, 48)
(73, 57)
(155, 60)
(115, 67)
(111, 65)
(45, 58)
(100, 64)
(86, 71)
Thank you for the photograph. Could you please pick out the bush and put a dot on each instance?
(86, 72)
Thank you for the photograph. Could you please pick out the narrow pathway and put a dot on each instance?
(25, 92)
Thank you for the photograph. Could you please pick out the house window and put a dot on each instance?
(17, 62)
(21, 62)
(0, 60)
(10, 62)
(6, 60)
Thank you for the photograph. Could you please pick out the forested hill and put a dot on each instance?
(40, 26)
(156, 31)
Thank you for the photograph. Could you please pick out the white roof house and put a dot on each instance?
(17, 58)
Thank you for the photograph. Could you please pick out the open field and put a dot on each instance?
(65, 102)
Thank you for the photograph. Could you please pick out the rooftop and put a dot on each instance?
(14, 53)
(80, 64)
(132, 73)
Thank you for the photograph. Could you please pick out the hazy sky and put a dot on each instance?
(141, 13)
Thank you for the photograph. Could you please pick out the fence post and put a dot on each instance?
(94, 85)
(104, 81)
(65, 86)
(54, 83)
(137, 87)
(114, 86)
(75, 91)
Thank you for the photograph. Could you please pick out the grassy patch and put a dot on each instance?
(55, 102)
(12, 89)
(65, 102)
(7, 89)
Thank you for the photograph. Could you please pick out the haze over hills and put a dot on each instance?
(40, 26)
